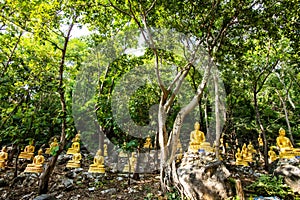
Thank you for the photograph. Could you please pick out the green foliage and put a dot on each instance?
(149, 196)
(53, 151)
(173, 194)
(267, 185)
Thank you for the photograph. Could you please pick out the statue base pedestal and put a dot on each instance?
(248, 159)
(296, 152)
(73, 165)
(242, 162)
(72, 151)
(205, 145)
(34, 169)
(287, 154)
(97, 169)
(27, 156)
(126, 169)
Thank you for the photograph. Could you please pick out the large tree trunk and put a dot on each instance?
(166, 162)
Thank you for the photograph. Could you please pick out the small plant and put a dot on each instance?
(271, 186)
(149, 196)
(173, 195)
(54, 150)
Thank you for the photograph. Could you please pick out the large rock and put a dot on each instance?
(203, 176)
(291, 176)
(45, 197)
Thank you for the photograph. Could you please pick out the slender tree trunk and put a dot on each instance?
(217, 115)
(45, 176)
(162, 143)
(136, 175)
(16, 164)
(286, 117)
(206, 117)
(262, 129)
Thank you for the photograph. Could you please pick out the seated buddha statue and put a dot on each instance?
(3, 157)
(197, 140)
(272, 155)
(105, 150)
(239, 158)
(98, 163)
(246, 154)
(285, 145)
(148, 143)
(75, 148)
(132, 162)
(28, 152)
(75, 161)
(37, 164)
(52, 146)
(260, 141)
(122, 153)
(251, 148)
(179, 156)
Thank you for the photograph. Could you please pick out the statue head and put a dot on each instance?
(4, 149)
(99, 152)
(281, 132)
(78, 136)
(55, 139)
(40, 152)
(197, 126)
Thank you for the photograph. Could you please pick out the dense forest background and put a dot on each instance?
(254, 44)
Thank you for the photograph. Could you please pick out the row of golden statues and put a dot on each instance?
(286, 150)
(246, 155)
(197, 143)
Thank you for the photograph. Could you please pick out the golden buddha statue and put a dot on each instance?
(272, 155)
(179, 156)
(251, 147)
(75, 148)
(52, 146)
(28, 151)
(197, 140)
(260, 141)
(148, 143)
(98, 165)
(105, 150)
(75, 161)
(286, 148)
(246, 154)
(239, 158)
(283, 142)
(132, 162)
(122, 153)
(3, 157)
(37, 164)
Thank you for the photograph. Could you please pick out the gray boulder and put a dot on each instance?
(45, 197)
(291, 176)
